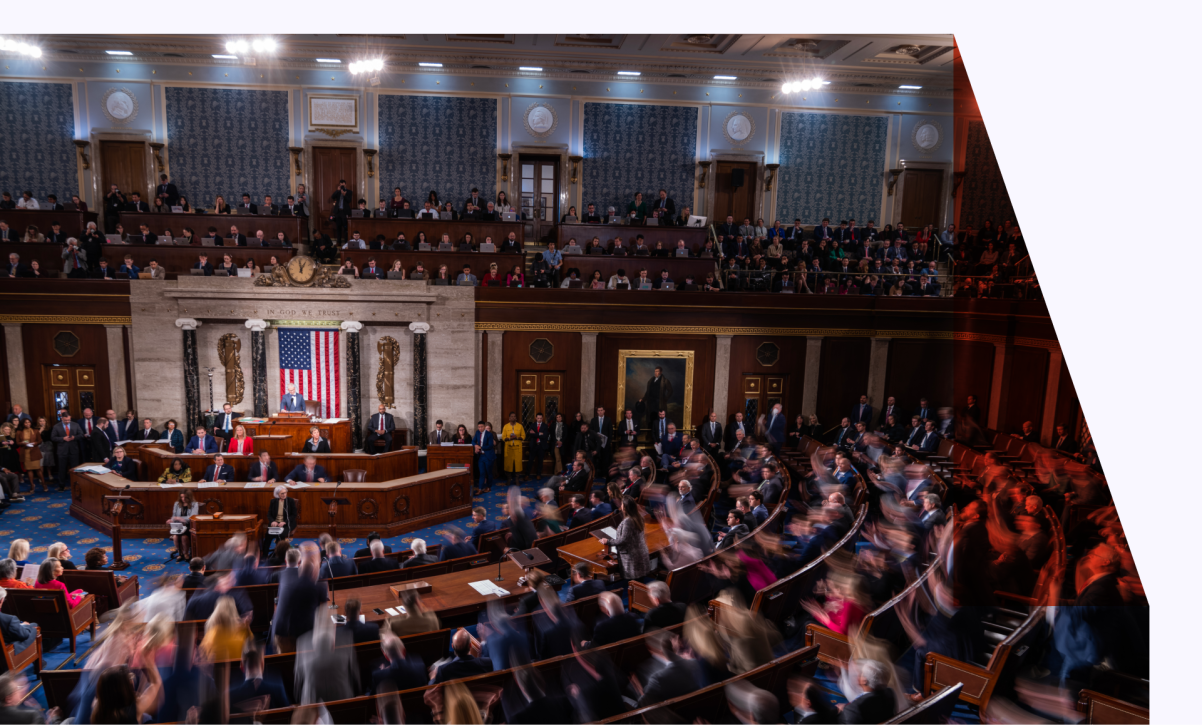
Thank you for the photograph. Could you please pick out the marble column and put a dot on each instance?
(721, 377)
(14, 348)
(1050, 396)
(419, 330)
(496, 358)
(258, 365)
(118, 392)
(1001, 358)
(191, 374)
(354, 387)
(809, 385)
(588, 376)
(878, 367)
(478, 398)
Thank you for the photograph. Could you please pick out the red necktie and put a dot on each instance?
(381, 424)
(310, 472)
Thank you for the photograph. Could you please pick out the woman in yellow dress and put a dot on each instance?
(225, 632)
(512, 435)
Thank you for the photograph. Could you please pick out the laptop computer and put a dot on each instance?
(395, 274)
(622, 285)
(509, 216)
(465, 283)
(208, 241)
(682, 252)
(404, 214)
(573, 249)
(267, 268)
(651, 221)
(446, 216)
(697, 221)
(706, 255)
(196, 272)
(440, 282)
(645, 285)
(596, 250)
(254, 242)
(221, 273)
(136, 239)
(423, 247)
(144, 275)
(575, 283)
(417, 275)
(613, 219)
(177, 210)
(244, 272)
(489, 248)
(571, 220)
(113, 238)
(164, 240)
(668, 286)
(446, 247)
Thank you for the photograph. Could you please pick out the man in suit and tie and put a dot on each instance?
(660, 431)
(438, 436)
(924, 409)
(892, 409)
(292, 403)
(628, 431)
(380, 427)
(136, 203)
(932, 512)
(127, 427)
(281, 512)
(202, 443)
(256, 692)
(268, 207)
(591, 216)
(670, 447)
(972, 410)
(862, 413)
(291, 208)
(87, 426)
(224, 425)
(341, 205)
(167, 192)
(18, 416)
(581, 514)
(577, 478)
(247, 206)
(238, 237)
(728, 231)
(371, 270)
(538, 442)
(1063, 442)
(603, 426)
(776, 428)
(56, 235)
(844, 435)
(263, 470)
(66, 436)
(665, 206)
(111, 429)
(1027, 434)
(336, 564)
(6, 233)
(483, 525)
(928, 441)
(823, 231)
(684, 498)
(146, 433)
(711, 436)
(308, 472)
(459, 546)
(733, 429)
(15, 269)
(101, 445)
(475, 202)
(218, 470)
(202, 263)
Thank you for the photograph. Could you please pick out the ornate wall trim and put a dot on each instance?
(65, 319)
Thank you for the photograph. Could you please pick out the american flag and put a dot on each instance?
(309, 360)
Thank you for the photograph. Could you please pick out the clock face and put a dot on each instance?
(302, 270)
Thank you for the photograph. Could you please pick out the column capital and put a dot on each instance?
(187, 323)
(351, 326)
(256, 325)
(419, 328)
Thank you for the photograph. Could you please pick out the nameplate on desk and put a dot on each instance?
(207, 484)
(446, 444)
(419, 587)
(255, 484)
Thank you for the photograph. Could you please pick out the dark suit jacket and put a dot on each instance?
(580, 517)
(679, 678)
(669, 205)
(1065, 444)
(404, 674)
(294, 210)
(709, 439)
(298, 473)
(101, 447)
(322, 447)
(608, 630)
(373, 424)
(297, 602)
(455, 551)
(210, 444)
(341, 565)
(585, 589)
(664, 616)
(605, 428)
(870, 707)
(365, 551)
(137, 206)
(246, 697)
(290, 515)
(256, 470)
(459, 668)
(126, 469)
(14, 631)
(384, 563)
(292, 404)
(419, 560)
(225, 474)
(864, 417)
(730, 433)
(485, 527)
(194, 581)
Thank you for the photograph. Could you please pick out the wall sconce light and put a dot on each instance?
(504, 158)
(158, 155)
(705, 170)
(770, 176)
(297, 152)
(575, 167)
(370, 154)
(957, 179)
(83, 147)
(893, 174)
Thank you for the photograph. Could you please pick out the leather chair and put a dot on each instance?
(312, 408)
(354, 475)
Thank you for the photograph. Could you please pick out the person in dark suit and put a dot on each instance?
(202, 443)
(263, 470)
(291, 208)
(238, 237)
(66, 435)
(404, 671)
(299, 597)
(633, 486)
(15, 269)
(256, 692)
(167, 191)
(122, 465)
(308, 472)
(666, 613)
(56, 235)
(590, 215)
(292, 402)
(628, 431)
(195, 579)
(421, 555)
(736, 425)
(538, 441)
(458, 547)
(582, 583)
(335, 564)
(223, 424)
(776, 428)
(877, 703)
(101, 446)
(360, 631)
(728, 231)
(602, 426)
(577, 480)
(463, 665)
(366, 551)
(1062, 441)
(378, 561)
(17, 633)
(381, 427)
(341, 205)
(670, 447)
(710, 435)
(315, 443)
(136, 203)
(1027, 433)
(483, 525)
(665, 206)
(616, 625)
(680, 677)
(810, 705)
(371, 270)
(862, 413)
(247, 206)
(581, 514)
(972, 410)
(218, 470)
(928, 439)
(684, 495)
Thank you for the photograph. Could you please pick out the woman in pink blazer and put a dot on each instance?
(48, 574)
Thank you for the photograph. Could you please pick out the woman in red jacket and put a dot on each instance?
(48, 574)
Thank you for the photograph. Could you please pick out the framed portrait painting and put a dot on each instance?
(651, 380)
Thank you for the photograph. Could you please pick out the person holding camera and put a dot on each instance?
(341, 207)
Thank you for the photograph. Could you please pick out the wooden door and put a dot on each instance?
(124, 163)
(71, 388)
(760, 393)
(539, 177)
(329, 165)
(539, 393)
(731, 200)
(920, 198)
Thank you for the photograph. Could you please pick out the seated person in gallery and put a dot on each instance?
(292, 208)
(218, 471)
(280, 512)
(637, 210)
(591, 216)
(316, 444)
(292, 402)
(309, 472)
(202, 443)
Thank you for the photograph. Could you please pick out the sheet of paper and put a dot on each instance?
(171, 485)
(255, 484)
(486, 588)
(297, 484)
(391, 611)
(207, 484)
(92, 469)
(446, 444)
(610, 532)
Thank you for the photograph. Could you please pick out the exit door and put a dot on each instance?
(69, 388)
(540, 393)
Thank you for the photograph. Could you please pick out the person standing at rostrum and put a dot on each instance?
(513, 435)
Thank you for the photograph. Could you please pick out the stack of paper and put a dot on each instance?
(487, 587)
(297, 484)
(255, 484)
(92, 469)
(171, 485)
(207, 484)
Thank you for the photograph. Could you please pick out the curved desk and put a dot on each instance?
(390, 507)
(384, 467)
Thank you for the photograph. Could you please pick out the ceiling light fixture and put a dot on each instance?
(806, 85)
(17, 46)
(430, 65)
(910, 88)
(365, 66)
(327, 60)
(258, 45)
(118, 52)
(225, 57)
(726, 78)
(629, 73)
(533, 68)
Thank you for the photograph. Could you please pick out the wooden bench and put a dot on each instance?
(1102, 709)
(262, 601)
(48, 609)
(935, 709)
(17, 662)
(980, 681)
(110, 591)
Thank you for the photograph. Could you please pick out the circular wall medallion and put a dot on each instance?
(120, 105)
(927, 136)
(540, 120)
(541, 350)
(401, 505)
(738, 127)
(768, 354)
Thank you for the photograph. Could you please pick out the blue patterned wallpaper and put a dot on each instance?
(36, 149)
(832, 166)
(438, 143)
(638, 147)
(229, 142)
(984, 189)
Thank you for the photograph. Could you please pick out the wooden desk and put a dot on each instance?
(677, 267)
(390, 507)
(450, 594)
(72, 222)
(176, 260)
(431, 261)
(208, 533)
(584, 233)
(369, 228)
(295, 228)
(590, 551)
(384, 467)
(438, 457)
(338, 434)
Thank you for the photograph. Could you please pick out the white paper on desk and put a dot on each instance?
(255, 484)
(207, 484)
(92, 469)
(171, 485)
(334, 420)
(487, 587)
(446, 444)
(610, 532)
(122, 443)
(391, 611)
(297, 484)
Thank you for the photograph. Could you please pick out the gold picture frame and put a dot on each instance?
(685, 424)
(337, 113)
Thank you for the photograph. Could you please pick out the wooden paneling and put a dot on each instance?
(919, 368)
(516, 359)
(72, 223)
(973, 375)
(5, 393)
(294, 228)
(124, 163)
(607, 233)
(1068, 406)
(330, 164)
(608, 346)
(790, 365)
(731, 201)
(39, 351)
(842, 377)
(921, 197)
(370, 228)
(1024, 388)
(57, 296)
